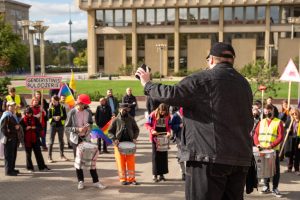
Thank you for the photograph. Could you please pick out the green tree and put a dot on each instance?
(13, 53)
(81, 59)
(262, 74)
(80, 45)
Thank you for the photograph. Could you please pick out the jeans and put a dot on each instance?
(276, 176)
(211, 181)
(10, 155)
(60, 131)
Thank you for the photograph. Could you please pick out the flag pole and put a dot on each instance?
(289, 94)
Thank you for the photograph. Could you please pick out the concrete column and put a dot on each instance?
(221, 24)
(283, 21)
(134, 40)
(176, 41)
(92, 43)
(267, 34)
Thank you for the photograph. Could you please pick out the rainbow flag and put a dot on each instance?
(102, 133)
(65, 91)
(97, 133)
(105, 128)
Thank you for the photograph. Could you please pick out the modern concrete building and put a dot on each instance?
(14, 11)
(122, 32)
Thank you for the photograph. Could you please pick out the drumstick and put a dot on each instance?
(286, 136)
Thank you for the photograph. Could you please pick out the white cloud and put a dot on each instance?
(58, 32)
(56, 16)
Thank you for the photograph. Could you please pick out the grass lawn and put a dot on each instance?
(91, 86)
(119, 87)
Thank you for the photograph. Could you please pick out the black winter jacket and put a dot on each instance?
(217, 115)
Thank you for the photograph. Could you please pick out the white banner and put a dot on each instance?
(43, 82)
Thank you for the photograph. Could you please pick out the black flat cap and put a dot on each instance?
(221, 49)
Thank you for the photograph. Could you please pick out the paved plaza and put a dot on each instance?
(61, 183)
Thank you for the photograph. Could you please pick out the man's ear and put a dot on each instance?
(211, 60)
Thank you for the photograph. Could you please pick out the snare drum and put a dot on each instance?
(86, 155)
(265, 162)
(162, 143)
(127, 148)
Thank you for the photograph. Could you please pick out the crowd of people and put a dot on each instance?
(28, 124)
(207, 114)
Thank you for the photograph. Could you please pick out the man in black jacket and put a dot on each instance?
(217, 122)
(102, 116)
(131, 101)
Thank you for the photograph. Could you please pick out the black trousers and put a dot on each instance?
(276, 176)
(10, 155)
(93, 172)
(295, 155)
(209, 181)
(99, 145)
(79, 172)
(38, 156)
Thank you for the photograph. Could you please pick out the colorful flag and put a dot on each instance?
(72, 82)
(105, 128)
(69, 98)
(96, 133)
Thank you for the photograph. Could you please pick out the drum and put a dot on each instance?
(86, 155)
(265, 162)
(127, 148)
(162, 143)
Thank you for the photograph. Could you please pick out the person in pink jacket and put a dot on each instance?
(160, 131)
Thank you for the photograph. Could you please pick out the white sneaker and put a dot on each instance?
(99, 185)
(80, 185)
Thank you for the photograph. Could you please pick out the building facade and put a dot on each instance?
(174, 35)
(14, 11)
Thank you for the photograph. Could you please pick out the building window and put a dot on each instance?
(128, 17)
(140, 16)
(214, 15)
(274, 14)
(250, 15)
(170, 38)
(128, 39)
(150, 17)
(296, 11)
(141, 41)
(238, 15)
(261, 16)
(183, 16)
(204, 15)
(170, 16)
(228, 15)
(119, 18)
(193, 16)
(100, 18)
(160, 16)
(108, 16)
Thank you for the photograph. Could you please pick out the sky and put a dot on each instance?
(55, 14)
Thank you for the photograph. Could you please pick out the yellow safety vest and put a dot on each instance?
(17, 101)
(298, 130)
(268, 134)
(61, 114)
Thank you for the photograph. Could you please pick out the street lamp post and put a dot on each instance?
(160, 48)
